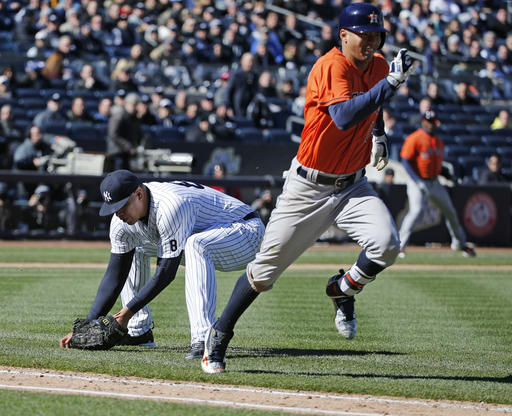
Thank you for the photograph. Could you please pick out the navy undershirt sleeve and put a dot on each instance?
(347, 114)
(165, 273)
(378, 130)
(111, 284)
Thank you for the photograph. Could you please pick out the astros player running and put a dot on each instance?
(163, 220)
(326, 181)
(422, 157)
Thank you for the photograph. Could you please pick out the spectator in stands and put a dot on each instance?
(123, 35)
(7, 210)
(88, 80)
(122, 77)
(453, 48)
(384, 188)
(164, 115)
(5, 88)
(327, 39)
(391, 128)
(203, 46)
(263, 59)
(56, 66)
(291, 58)
(7, 127)
(88, 45)
(490, 47)
(286, 89)
(433, 93)
(206, 104)
(30, 155)
(267, 84)
(40, 50)
(78, 113)
(463, 95)
(156, 96)
(220, 172)
(297, 107)
(504, 57)
(221, 90)
(104, 109)
(290, 31)
(222, 125)
(118, 103)
(145, 116)
(501, 86)
(124, 135)
(264, 205)
(39, 214)
(190, 116)
(493, 174)
(404, 25)
(98, 31)
(201, 131)
(52, 113)
(242, 86)
(502, 120)
(72, 24)
(499, 23)
(424, 105)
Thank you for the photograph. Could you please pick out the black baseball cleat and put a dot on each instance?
(196, 351)
(468, 251)
(333, 288)
(144, 340)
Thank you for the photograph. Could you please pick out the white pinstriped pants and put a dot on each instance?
(223, 247)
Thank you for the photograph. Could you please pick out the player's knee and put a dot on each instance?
(386, 250)
(260, 281)
(194, 245)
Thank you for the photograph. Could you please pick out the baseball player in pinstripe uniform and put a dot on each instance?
(326, 182)
(168, 220)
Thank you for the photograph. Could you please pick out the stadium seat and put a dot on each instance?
(456, 150)
(277, 136)
(249, 134)
(468, 139)
(57, 128)
(482, 150)
(164, 137)
(495, 141)
(31, 103)
(505, 152)
(87, 137)
(242, 122)
(468, 162)
(28, 93)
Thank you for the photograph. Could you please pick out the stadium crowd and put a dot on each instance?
(115, 75)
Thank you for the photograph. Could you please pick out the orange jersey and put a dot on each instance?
(324, 146)
(424, 152)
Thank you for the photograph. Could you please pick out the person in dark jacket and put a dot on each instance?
(124, 135)
(242, 86)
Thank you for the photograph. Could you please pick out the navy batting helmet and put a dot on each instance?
(362, 17)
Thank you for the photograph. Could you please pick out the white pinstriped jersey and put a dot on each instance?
(177, 210)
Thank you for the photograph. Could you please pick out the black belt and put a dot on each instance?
(339, 182)
(250, 216)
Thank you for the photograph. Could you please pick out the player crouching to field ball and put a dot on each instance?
(163, 220)
(326, 181)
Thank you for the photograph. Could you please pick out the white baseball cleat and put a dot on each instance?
(214, 357)
(402, 254)
(345, 319)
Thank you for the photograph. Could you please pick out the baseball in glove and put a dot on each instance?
(97, 334)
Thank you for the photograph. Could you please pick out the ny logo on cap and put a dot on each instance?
(374, 17)
(107, 197)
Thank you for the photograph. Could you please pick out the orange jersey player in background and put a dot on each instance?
(422, 157)
(326, 182)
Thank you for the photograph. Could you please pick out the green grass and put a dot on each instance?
(14, 403)
(425, 334)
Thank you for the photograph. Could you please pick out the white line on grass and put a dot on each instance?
(264, 391)
(191, 400)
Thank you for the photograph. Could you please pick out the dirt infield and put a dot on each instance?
(241, 397)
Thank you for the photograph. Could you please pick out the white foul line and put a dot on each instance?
(263, 391)
(191, 400)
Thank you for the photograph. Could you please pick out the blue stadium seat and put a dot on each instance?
(468, 162)
(495, 141)
(277, 136)
(32, 103)
(87, 137)
(505, 152)
(455, 150)
(58, 128)
(242, 121)
(28, 93)
(482, 150)
(249, 134)
(164, 137)
(468, 139)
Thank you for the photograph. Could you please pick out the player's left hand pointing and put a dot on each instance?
(380, 154)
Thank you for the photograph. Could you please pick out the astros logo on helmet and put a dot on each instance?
(362, 17)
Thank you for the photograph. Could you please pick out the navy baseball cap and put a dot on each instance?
(116, 189)
(430, 115)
